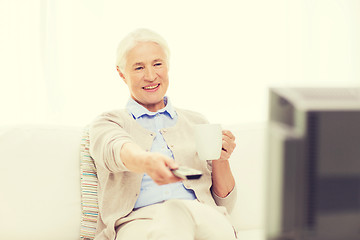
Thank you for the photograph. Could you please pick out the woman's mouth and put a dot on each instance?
(151, 87)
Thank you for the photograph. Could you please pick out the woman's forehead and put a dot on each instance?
(145, 52)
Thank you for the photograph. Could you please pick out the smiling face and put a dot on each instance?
(146, 74)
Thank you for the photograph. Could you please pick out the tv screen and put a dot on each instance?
(313, 165)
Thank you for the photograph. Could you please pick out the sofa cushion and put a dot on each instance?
(40, 187)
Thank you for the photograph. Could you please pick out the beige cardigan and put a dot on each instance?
(118, 187)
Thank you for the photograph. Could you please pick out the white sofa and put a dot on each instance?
(40, 181)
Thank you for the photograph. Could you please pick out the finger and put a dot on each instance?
(165, 177)
(175, 179)
(159, 170)
(168, 181)
(168, 176)
(228, 139)
(228, 134)
(171, 163)
(224, 155)
(228, 144)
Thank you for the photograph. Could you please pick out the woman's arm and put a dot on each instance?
(115, 150)
(156, 165)
(222, 178)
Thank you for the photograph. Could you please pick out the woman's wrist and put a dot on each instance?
(133, 157)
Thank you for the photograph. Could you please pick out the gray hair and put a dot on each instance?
(135, 37)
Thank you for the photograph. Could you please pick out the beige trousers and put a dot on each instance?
(177, 220)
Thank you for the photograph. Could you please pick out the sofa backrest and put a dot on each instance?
(40, 187)
(40, 180)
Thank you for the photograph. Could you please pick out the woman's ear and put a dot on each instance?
(120, 73)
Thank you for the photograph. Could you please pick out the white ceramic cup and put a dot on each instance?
(208, 139)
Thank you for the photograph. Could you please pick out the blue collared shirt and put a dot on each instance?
(150, 192)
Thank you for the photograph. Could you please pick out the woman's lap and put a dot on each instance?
(176, 219)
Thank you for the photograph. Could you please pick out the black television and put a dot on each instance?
(313, 164)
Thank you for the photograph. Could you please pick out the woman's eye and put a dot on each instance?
(138, 68)
(158, 64)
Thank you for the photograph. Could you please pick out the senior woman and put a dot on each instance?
(136, 148)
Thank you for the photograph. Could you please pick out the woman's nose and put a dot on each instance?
(150, 74)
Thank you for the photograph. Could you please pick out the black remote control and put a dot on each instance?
(187, 173)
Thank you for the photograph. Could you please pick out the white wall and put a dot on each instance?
(57, 57)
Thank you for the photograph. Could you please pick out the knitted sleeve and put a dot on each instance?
(107, 136)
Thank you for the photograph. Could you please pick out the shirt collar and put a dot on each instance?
(137, 110)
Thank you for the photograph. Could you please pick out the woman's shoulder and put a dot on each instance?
(192, 116)
(115, 112)
(116, 115)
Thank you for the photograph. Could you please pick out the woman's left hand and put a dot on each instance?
(228, 145)
(223, 180)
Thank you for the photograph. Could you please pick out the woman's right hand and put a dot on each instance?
(156, 165)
